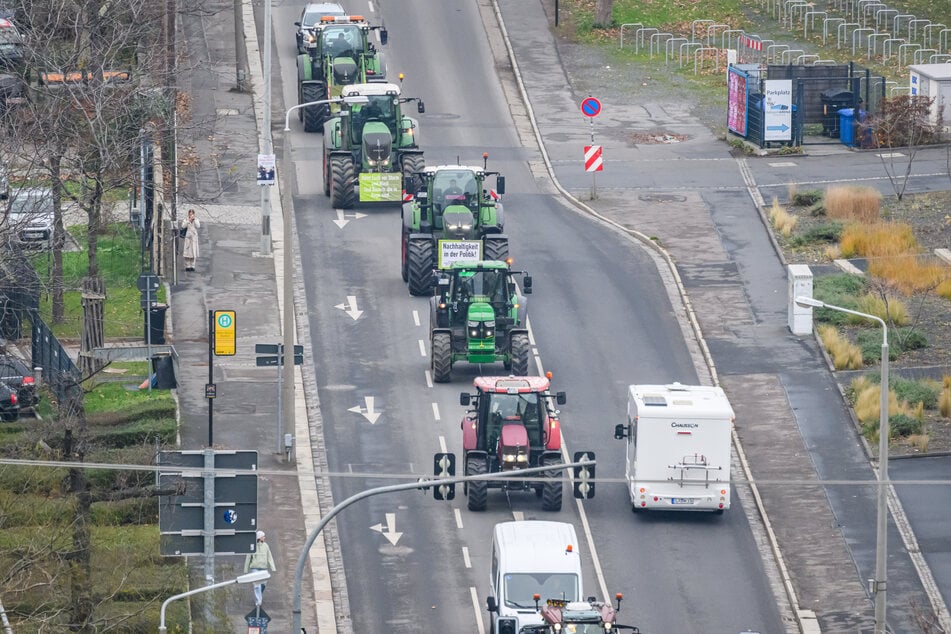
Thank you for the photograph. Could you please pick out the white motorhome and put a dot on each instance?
(529, 558)
(678, 447)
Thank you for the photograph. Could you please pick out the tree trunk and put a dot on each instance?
(59, 239)
(94, 296)
(603, 11)
(72, 410)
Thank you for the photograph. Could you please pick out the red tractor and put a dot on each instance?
(512, 424)
(578, 617)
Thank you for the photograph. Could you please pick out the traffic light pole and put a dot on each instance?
(408, 486)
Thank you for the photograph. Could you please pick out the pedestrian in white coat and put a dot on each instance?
(190, 228)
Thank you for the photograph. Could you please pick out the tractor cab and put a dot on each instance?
(343, 45)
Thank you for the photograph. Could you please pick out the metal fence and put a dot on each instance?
(59, 371)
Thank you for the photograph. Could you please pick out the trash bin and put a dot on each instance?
(156, 319)
(833, 101)
(163, 372)
(847, 126)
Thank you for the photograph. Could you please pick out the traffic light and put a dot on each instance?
(444, 466)
(584, 475)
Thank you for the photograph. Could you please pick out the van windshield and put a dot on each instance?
(520, 588)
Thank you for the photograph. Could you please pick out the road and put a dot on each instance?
(601, 318)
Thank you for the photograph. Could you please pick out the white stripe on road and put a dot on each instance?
(478, 609)
(518, 516)
(429, 379)
(422, 348)
(458, 518)
(465, 557)
(436, 411)
(442, 444)
(416, 317)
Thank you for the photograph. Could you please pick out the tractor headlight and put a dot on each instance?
(371, 162)
(508, 457)
(464, 226)
(489, 329)
(522, 457)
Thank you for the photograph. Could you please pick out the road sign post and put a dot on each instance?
(274, 355)
(222, 338)
(591, 107)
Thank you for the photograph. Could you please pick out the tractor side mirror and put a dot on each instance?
(383, 37)
(464, 399)
(560, 398)
(420, 107)
(500, 184)
(527, 284)
(620, 431)
(491, 605)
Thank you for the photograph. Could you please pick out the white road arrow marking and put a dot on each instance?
(389, 531)
(350, 307)
(368, 411)
(342, 219)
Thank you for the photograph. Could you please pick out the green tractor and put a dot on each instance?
(452, 217)
(339, 53)
(371, 145)
(478, 315)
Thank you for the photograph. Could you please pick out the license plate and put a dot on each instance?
(33, 234)
(683, 500)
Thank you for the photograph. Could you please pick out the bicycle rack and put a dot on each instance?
(726, 38)
(872, 43)
(699, 54)
(896, 21)
(761, 52)
(711, 33)
(879, 18)
(873, 5)
(940, 61)
(626, 24)
(805, 6)
(919, 55)
(859, 33)
(791, 52)
(841, 30)
(913, 27)
(693, 28)
(688, 45)
(640, 41)
(801, 59)
(770, 48)
(887, 50)
(901, 52)
(825, 61)
(788, 5)
(658, 36)
(825, 27)
(896, 89)
(942, 40)
(669, 47)
(927, 31)
(810, 18)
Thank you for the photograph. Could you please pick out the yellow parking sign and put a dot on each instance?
(224, 333)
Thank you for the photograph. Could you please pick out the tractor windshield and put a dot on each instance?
(378, 108)
(342, 40)
(455, 187)
(489, 286)
(505, 409)
(520, 588)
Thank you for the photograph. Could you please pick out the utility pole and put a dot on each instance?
(240, 50)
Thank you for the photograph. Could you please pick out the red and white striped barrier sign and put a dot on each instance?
(592, 158)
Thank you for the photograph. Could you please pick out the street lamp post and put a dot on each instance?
(878, 584)
(251, 577)
(350, 99)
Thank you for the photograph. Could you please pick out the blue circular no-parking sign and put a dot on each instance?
(590, 107)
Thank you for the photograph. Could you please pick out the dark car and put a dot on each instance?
(9, 403)
(15, 373)
(310, 16)
(11, 45)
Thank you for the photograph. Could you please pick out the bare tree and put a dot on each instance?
(603, 14)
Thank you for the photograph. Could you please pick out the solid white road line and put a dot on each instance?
(478, 609)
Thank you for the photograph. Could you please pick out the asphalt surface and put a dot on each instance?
(602, 318)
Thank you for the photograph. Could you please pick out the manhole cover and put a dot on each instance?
(662, 198)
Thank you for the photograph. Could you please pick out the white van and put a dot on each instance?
(530, 558)
(678, 447)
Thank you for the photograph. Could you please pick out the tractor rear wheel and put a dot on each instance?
(404, 240)
(478, 490)
(551, 488)
(520, 351)
(314, 116)
(495, 248)
(342, 177)
(442, 357)
(420, 260)
(413, 163)
(327, 175)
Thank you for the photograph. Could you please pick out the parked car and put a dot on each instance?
(30, 216)
(15, 373)
(9, 403)
(310, 16)
(11, 45)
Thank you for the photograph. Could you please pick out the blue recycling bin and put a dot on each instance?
(846, 127)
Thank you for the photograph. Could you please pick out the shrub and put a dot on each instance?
(847, 202)
(805, 199)
(845, 355)
(908, 273)
(914, 392)
(944, 402)
(783, 221)
(870, 341)
(901, 425)
(826, 232)
(944, 289)
(840, 289)
(890, 309)
(919, 441)
(879, 239)
(910, 339)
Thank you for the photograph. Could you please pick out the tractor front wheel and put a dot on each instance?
(478, 490)
(520, 352)
(342, 177)
(420, 257)
(551, 487)
(495, 248)
(442, 357)
(314, 116)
